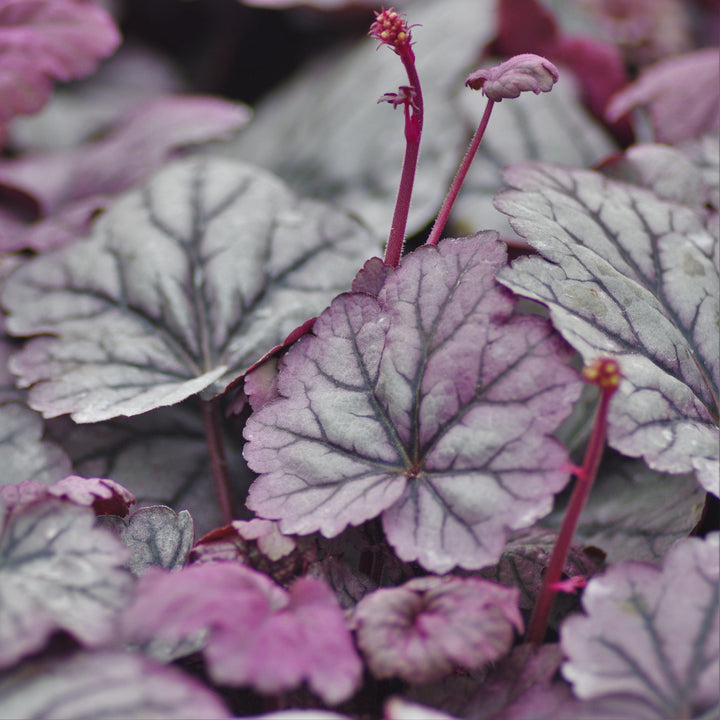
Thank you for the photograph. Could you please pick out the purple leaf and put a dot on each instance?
(270, 541)
(104, 496)
(627, 274)
(24, 453)
(181, 287)
(518, 74)
(156, 537)
(424, 629)
(651, 634)
(42, 40)
(681, 94)
(88, 686)
(70, 186)
(259, 634)
(432, 404)
(57, 572)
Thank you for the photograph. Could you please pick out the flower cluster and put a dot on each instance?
(391, 28)
(603, 372)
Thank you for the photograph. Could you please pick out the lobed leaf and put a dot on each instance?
(627, 274)
(651, 634)
(156, 536)
(432, 405)
(88, 686)
(57, 572)
(259, 634)
(182, 286)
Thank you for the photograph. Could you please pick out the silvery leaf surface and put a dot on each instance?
(161, 456)
(181, 286)
(24, 453)
(634, 512)
(57, 572)
(156, 537)
(111, 684)
(651, 634)
(627, 274)
(432, 404)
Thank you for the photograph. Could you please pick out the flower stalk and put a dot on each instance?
(391, 29)
(605, 373)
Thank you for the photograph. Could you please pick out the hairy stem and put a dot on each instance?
(585, 478)
(413, 132)
(218, 460)
(459, 179)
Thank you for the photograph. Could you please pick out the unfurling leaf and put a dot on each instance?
(518, 74)
(432, 404)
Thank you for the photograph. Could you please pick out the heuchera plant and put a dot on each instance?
(253, 470)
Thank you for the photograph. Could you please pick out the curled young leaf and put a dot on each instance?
(516, 75)
(427, 627)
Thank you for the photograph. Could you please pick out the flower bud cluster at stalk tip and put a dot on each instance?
(391, 28)
(603, 372)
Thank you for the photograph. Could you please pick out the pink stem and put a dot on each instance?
(413, 131)
(585, 478)
(454, 190)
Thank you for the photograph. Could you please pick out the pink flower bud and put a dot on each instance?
(510, 78)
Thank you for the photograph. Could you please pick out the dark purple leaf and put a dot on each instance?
(424, 629)
(652, 634)
(183, 285)
(432, 404)
(71, 185)
(627, 274)
(156, 537)
(45, 40)
(259, 634)
(24, 453)
(89, 686)
(681, 95)
(57, 572)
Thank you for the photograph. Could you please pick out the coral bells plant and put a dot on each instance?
(252, 469)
